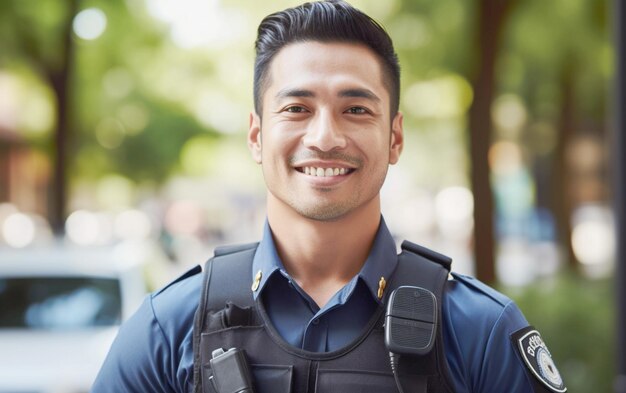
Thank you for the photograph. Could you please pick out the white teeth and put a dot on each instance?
(324, 172)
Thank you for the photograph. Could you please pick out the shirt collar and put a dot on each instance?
(266, 260)
(380, 263)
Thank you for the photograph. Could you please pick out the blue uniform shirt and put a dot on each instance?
(153, 350)
(299, 320)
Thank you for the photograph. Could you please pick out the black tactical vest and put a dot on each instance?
(228, 316)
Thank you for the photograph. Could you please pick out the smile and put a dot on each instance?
(324, 172)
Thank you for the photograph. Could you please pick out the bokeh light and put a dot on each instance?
(18, 230)
(593, 238)
(110, 133)
(26, 104)
(443, 97)
(505, 157)
(196, 23)
(509, 115)
(90, 23)
(83, 227)
(184, 218)
(132, 224)
(455, 208)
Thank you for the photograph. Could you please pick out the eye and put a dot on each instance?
(295, 109)
(357, 110)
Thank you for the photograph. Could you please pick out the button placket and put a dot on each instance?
(316, 335)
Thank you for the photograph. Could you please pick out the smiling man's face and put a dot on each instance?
(325, 138)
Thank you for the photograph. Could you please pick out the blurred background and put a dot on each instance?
(122, 143)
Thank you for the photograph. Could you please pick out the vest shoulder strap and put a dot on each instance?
(427, 253)
(226, 276)
(422, 267)
(230, 276)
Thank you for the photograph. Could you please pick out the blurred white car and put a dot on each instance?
(60, 309)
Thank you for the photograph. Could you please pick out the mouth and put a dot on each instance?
(324, 172)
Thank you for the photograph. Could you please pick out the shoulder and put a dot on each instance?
(473, 312)
(174, 307)
(157, 337)
(469, 304)
(478, 323)
(170, 310)
(180, 297)
(467, 288)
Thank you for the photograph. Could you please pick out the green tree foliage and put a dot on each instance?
(139, 130)
(119, 122)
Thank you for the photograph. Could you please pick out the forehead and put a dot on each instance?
(325, 67)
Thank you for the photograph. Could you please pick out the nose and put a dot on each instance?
(324, 134)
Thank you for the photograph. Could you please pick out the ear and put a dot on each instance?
(397, 138)
(254, 137)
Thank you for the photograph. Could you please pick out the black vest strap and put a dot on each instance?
(225, 284)
(228, 277)
(416, 268)
(231, 276)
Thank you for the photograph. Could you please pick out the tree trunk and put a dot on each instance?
(562, 204)
(619, 177)
(491, 18)
(60, 79)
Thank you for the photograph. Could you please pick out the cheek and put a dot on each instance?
(372, 142)
(275, 155)
(280, 143)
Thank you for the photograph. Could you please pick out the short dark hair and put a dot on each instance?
(324, 21)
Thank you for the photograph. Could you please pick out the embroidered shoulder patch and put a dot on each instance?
(538, 359)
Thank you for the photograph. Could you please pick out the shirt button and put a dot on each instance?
(316, 321)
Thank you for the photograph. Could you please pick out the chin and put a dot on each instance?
(325, 214)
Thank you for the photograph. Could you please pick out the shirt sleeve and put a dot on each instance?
(501, 368)
(478, 325)
(138, 358)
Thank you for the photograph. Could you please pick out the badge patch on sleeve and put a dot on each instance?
(537, 358)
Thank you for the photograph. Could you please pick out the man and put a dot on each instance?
(309, 305)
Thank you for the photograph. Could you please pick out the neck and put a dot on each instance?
(322, 256)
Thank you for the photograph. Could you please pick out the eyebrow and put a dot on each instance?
(284, 93)
(346, 93)
(359, 93)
